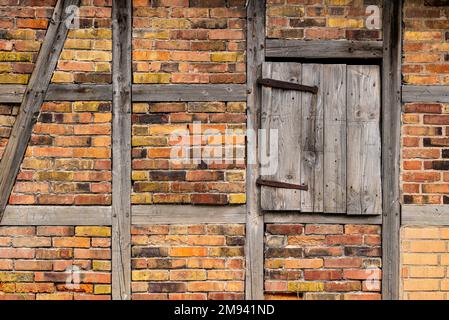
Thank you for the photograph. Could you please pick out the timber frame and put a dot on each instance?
(121, 215)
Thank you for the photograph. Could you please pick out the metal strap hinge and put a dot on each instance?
(281, 185)
(278, 84)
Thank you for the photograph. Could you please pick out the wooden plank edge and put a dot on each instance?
(57, 216)
(187, 214)
(428, 215)
(435, 94)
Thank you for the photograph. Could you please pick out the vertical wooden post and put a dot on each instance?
(391, 126)
(121, 149)
(254, 222)
(33, 98)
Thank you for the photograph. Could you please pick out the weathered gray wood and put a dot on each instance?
(364, 186)
(187, 214)
(425, 94)
(323, 49)
(391, 120)
(334, 91)
(312, 144)
(429, 215)
(33, 99)
(189, 92)
(57, 216)
(281, 112)
(321, 218)
(254, 249)
(121, 149)
(11, 93)
(79, 92)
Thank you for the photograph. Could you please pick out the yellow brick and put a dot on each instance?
(223, 56)
(16, 276)
(141, 107)
(86, 106)
(78, 44)
(102, 289)
(425, 296)
(340, 2)
(62, 77)
(32, 163)
(22, 34)
(345, 23)
(286, 11)
(101, 265)
(5, 67)
(93, 231)
(421, 284)
(139, 141)
(151, 78)
(7, 121)
(171, 24)
(166, 129)
(139, 175)
(102, 45)
(90, 34)
(444, 232)
(149, 275)
(428, 246)
(420, 259)
(239, 107)
(102, 67)
(141, 198)
(274, 263)
(418, 35)
(157, 35)
(68, 55)
(14, 78)
(305, 286)
(445, 259)
(239, 198)
(420, 233)
(93, 56)
(426, 272)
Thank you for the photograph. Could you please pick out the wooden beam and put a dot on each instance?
(33, 99)
(299, 217)
(121, 148)
(425, 94)
(189, 92)
(333, 49)
(255, 44)
(141, 92)
(391, 122)
(428, 215)
(187, 214)
(56, 216)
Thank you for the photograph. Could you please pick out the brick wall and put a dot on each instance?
(317, 261)
(192, 262)
(68, 160)
(424, 262)
(211, 137)
(8, 114)
(189, 41)
(320, 19)
(40, 262)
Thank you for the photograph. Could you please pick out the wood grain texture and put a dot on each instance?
(57, 216)
(312, 144)
(331, 49)
(12, 93)
(281, 113)
(187, 214)
(79, 92)
(254, 249)
(121, 149)
(425, 94)
(428, 215)
(364, 185)
(320, 218)
(334, 91)
(33, 99)
(391, 121)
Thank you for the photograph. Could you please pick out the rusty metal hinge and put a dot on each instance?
(281, 185)
(278, 84)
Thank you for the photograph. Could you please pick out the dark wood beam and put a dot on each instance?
(332, 49)
(121, 148)
(33, 98)
(255, 43)
(391, 129)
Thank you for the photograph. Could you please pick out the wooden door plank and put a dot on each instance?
(312, 140)
(334, 138)
(364, 189)
(121, 149)
(33, 99)
(281, 112)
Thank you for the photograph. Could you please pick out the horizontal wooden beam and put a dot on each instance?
(428, 215)
(294, 217)
(188, 92)
(56, 216)
(141, 92)
(334, 49)
(425, 94)
(187, 214)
